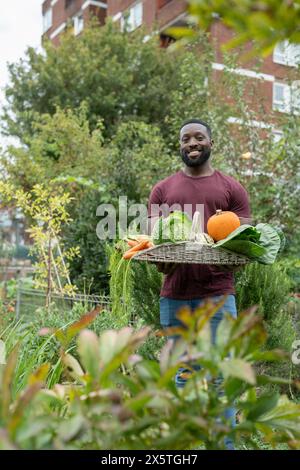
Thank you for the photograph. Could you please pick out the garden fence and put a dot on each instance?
(29, 300)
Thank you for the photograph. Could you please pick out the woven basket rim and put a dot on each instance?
(222, 251)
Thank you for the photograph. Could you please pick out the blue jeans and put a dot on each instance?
(168, 311)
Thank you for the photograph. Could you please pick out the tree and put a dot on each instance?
(265, 22)
(62, 145)
(46, 206)
(118, 75)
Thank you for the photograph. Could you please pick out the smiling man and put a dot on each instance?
(197, 183)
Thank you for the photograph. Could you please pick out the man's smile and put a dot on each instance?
(194, 153)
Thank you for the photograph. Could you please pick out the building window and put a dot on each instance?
(68, 3)
(295, 97)
(281, 97)
(133, 18)
(287, 54)
(47, 20)
(286, 98)
(78, 24)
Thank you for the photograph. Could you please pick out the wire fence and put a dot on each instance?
(29, 300)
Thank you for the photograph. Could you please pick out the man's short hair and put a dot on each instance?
(197, 121)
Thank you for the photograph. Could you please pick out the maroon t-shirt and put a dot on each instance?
(217, 191)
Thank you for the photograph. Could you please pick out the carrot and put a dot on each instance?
(132, 243)
(140, 246)
(142, 237)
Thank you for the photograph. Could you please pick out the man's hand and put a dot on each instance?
(165, 268)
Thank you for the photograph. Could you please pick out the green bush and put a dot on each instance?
(291, 265)
(265, 286)
(114, 399)
(35, 349)
(269, 288)
(134, 288)
(88, 271)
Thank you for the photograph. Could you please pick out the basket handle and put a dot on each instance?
(196, 227)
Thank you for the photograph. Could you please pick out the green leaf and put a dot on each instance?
(148, 370)
(139, 402)
(285, 416)
(8, 375)
(20, 407)
(269, 356)
(266, 379)
(239, 369)
(245, 232)
(271, 241)
(180, 32)
(39, 375)
(234, 387)
(262, 406)
(244, 247)
(71, 427)
(84, 321)
(88, 348)
(73, 366)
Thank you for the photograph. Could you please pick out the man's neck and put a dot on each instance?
(202, 170)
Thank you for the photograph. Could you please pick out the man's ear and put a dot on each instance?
(212, 143)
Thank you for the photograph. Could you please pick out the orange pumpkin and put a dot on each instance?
(220, 225)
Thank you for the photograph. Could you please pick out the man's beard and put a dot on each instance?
(194, 162)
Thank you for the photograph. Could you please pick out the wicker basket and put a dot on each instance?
(192, 251)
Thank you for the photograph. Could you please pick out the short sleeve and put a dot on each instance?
(239, 201)
(155, 200)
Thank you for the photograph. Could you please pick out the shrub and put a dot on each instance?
(265, 286)
(116, 400)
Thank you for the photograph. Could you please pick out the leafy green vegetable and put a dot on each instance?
(260, 243)
(247, 248)
(174, 228)
(244, 232)
(270, 240)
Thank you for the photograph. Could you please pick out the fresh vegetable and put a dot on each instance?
(133, 240)
(271, 241)
(140, 246)
(221, 224)
(204, 238)
(260, 243)
(174, 228)
(132, 243)
(196, 234)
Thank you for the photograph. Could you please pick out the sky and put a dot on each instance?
(20, 27)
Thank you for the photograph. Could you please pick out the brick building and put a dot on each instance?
(276, 76)
(58, 14)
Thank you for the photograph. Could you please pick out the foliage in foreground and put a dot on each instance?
(116, 400)
(264, 22)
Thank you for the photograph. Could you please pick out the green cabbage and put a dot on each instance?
(174, 228)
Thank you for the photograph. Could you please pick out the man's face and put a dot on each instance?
(195, 144)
